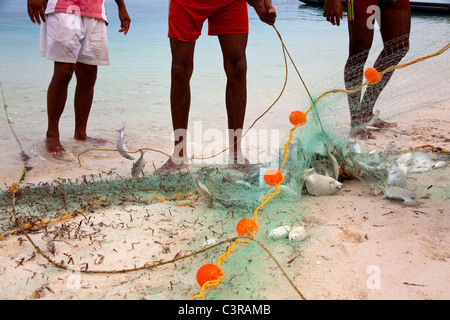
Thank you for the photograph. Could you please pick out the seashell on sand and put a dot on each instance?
(209, 242)
(298, 233)
(440, 164)
(280, 232)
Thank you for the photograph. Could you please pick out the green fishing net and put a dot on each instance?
(168, 230)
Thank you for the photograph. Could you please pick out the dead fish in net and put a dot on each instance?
(138, 167)
(319, 185)
(121, 145)
(202, 189)
(235, 203)
(406, 196)
(396, 176)
(418, 162)
(335, 165)
(440, 164)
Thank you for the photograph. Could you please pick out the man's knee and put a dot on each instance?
(181, 71)
(236, 68)
(86, 74)
(63, 74)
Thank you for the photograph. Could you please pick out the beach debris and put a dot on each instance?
(406, 196)
(280, 232)
(51, 245)
(121, 145)
(138, 167)
(209, 242)
(298, 233)
(320, 185)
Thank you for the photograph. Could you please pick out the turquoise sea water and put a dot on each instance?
(134, 89)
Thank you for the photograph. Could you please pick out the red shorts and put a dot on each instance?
(361, 8)
(186, 18)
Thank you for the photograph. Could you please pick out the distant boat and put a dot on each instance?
(434, 6)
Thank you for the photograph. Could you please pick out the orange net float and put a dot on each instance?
(297, 118)
(247, 228)
(372, 75)
(208, 272)
(273, 177)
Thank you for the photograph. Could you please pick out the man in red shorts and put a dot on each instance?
(227, 19)
(394, 19)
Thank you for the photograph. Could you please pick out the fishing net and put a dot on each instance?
(252, 226)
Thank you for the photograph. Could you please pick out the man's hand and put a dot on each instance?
(265, 10)
(333, 11)
(125, 19)
(36, 10)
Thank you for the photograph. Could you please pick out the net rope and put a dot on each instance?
(185, 199)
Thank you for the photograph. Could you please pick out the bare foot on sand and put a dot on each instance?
(170, 166)
(361, 133)
(93, 141)
(384, 124)
(239, 162)
(54, 147)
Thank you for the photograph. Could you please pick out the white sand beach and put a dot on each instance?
(360, 247)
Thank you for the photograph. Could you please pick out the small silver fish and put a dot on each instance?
(233, 203)
(209, 197)
(138, 167)
(336, 167)
(396, 177)
(121, 146)
(401, 194)
(319, 185)
(202, 189)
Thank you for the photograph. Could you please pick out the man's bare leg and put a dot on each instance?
(84, 94)
(235, 65)
(180, 100)
(56, 101)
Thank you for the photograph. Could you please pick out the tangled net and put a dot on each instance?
(255, 215)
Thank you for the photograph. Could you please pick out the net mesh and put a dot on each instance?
(165, 225)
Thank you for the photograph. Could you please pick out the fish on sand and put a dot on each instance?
(406, 196)
(121, 145)
(138, 167)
